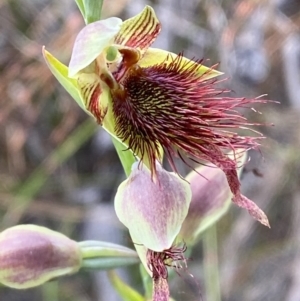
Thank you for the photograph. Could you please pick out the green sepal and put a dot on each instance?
(60, 71)
(126, 292)
(155, 56)
(80, 5)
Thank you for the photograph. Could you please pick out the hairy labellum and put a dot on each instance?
(159, 261)
(175, 106)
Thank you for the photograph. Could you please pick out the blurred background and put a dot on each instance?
(59, 169)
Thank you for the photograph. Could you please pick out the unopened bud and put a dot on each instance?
(153, 209)
(31, 255)
(211, 198)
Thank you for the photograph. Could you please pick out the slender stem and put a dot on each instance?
(94, 249)
(103, 255)
(211, 269)
(107, 263)
(126, 156)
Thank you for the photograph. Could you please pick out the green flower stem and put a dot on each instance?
(126, 156)
(94, 248)
(107, 263)
(80, 5)
(103, 255)
(125, 291)
(90, 10)
(211, 269)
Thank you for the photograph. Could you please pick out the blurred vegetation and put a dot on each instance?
(58, 169)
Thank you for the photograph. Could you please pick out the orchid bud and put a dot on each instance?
(153, 209)
(31, 255)
(211, 198)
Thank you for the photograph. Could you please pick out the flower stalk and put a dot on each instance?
(31, 255)
(103, 255)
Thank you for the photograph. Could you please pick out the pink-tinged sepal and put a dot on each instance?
(211, 198)
(140, 31)
(153, 211)
(92, 51)
(91, 42)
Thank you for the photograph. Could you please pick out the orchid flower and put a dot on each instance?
(154, 101)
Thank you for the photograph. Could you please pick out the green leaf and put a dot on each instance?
(147, 282)
(80, 5)
(92, 10)
(60, 71)
(125, 291)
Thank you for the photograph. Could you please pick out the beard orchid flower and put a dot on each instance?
(154, 101)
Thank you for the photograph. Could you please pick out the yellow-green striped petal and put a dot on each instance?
(155, 56)
(139, 31)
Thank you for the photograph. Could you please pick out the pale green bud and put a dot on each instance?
(211, 198)
(31, 255)
(153, 209)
